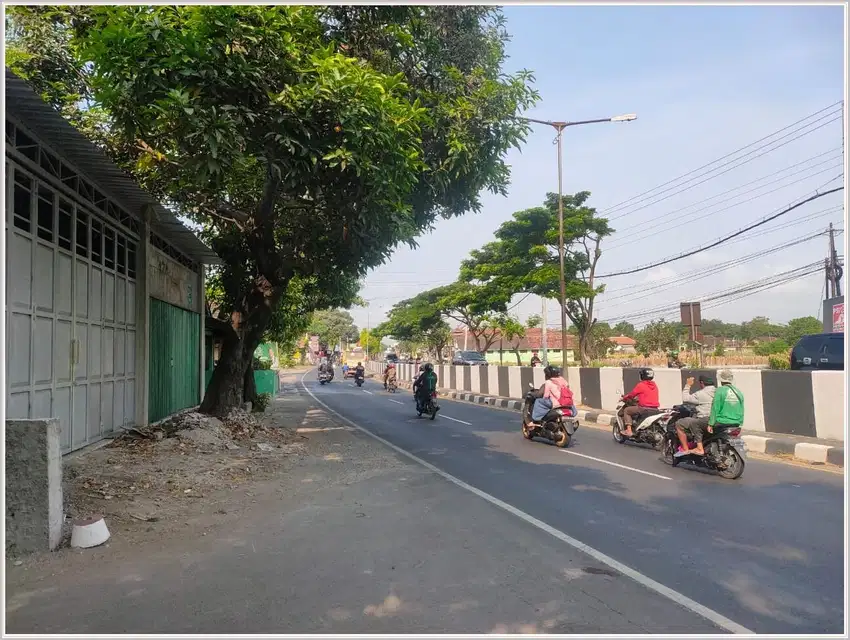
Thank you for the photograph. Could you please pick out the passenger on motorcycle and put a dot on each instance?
(389, 374)
(424, 385)
(554, 394)
(727, 408)
(700, 405)
(646, 393)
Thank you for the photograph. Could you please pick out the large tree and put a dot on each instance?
(524, 259)
(415, 322)
(799, 327)
(305, 140)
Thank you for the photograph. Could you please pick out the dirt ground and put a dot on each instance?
(189, 475)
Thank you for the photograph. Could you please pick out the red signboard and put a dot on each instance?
(838, 318)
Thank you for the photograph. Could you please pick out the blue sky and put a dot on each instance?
(704, 82)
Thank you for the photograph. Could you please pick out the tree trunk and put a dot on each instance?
(249, 388)
(518, 357)
(227, 387)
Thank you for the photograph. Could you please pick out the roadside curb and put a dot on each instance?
(808, 452)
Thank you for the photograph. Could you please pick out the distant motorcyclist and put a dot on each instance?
(646, 393)
(673, 361)
(535, 359)
(700, 404)
(554, 394)
(389, 374)
(424, 385)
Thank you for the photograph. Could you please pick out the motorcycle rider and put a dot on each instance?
(646, 393)
(389, 374)
(424, 385)
(535, 359)
(673, 361)
(727, 408)
(554, 394)
(701, 402)
(359, 371)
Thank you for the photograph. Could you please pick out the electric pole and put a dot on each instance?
(833, 269)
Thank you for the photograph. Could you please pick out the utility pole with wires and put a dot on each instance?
(833, 268)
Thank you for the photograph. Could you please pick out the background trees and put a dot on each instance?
(524, 259)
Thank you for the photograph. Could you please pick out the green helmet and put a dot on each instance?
(674, 353)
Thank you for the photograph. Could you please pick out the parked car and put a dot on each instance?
(470, 358)
(391, 358)
(819, 351)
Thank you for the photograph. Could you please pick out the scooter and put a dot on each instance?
(430, 407)
(725, 450)
(325, 376)
(392, 386)
(358, 379)
(557, 426)
(648, 427)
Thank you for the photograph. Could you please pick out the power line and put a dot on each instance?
(648, 230)
(619, 205)
(688, 188)
(700, 273)
(724, 239)
(736, 292)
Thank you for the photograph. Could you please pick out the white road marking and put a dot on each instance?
(614, 464)
(645, 581)
(364, 391)
(455, 420)
(396, 401)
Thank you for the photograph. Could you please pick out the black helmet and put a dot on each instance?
(428, 366)
(552, 371)
(647, 374)
(708, 381)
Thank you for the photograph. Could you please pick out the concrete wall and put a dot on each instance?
(33, 486)
(791, 402)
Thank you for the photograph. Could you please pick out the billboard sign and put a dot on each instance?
(838, 318)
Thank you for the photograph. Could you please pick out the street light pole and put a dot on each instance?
(559, 128)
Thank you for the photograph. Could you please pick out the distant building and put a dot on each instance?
(623, 344)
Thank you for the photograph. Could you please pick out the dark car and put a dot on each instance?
(820, 351)
(391, 358)
(471, 358)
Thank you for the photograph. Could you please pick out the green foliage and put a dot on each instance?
(719, 350)
(534, 321)
(658, 336)
(599, 343)
(333, 326)
(524, 258)
(799, 327)
(624, 329)
(779, 361)
(261, 402)
(371, 342)
(772, 347)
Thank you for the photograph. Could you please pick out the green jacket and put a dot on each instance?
(727, 406)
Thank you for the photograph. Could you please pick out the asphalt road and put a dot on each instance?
(765, 551)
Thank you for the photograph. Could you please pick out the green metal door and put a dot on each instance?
(174, 359)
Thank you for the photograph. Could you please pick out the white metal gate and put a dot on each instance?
(71, 304)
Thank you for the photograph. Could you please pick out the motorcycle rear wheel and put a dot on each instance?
(526, 432)
(736, 469)
(562, 439)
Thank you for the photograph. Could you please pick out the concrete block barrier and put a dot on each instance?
(787, 413)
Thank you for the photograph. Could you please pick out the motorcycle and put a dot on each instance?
(358, 379)
(430, 407)
(647, 428)
(325, 376)
(725, 451)
(392, 386)
(557, 427)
